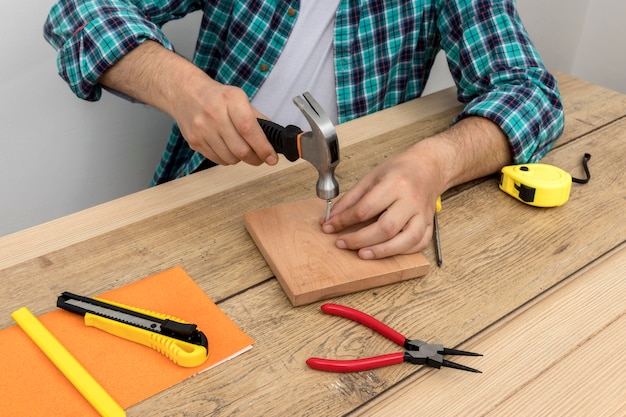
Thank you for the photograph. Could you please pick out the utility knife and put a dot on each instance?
(179, 341)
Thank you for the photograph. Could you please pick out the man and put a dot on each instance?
(355, 57)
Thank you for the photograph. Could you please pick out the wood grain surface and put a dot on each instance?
(501, 259)
(530, 353)
(306, 261)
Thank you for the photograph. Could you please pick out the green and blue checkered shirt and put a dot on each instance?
(384, 51)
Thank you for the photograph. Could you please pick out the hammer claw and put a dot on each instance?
(320, 146)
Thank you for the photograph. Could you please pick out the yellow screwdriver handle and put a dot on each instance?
(436, 232)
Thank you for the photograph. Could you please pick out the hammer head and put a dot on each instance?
(320, 146)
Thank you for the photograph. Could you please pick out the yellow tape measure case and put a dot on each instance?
(538, 185)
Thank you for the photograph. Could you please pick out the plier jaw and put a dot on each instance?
(433, 357)
(422, 353)
(417, 351)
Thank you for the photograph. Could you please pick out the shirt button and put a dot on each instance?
(291, 12)
(264, 67)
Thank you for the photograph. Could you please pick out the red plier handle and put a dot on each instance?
(366, 320)
(418, 352)
(355, 365)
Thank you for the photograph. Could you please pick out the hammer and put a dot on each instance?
(319, 146)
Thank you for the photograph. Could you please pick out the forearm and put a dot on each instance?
(472, 148)
(153, 75)
(92, 36)
(216, 120)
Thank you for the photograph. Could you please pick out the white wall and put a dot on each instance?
(59, 154)
(555, 28)
(601, 53)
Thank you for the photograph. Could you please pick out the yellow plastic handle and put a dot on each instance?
(438, 206)
(180, 352)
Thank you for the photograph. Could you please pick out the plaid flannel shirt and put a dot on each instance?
(384, 51)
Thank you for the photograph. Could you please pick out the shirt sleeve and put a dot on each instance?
(499, 74)
(91, 36)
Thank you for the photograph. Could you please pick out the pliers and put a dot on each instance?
(418, 352)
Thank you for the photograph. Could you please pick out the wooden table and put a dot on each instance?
(540, 292)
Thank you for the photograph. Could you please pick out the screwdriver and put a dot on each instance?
(436, 234)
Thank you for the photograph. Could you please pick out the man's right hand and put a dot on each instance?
(216, 120)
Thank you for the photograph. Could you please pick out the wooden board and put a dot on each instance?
(306, 261)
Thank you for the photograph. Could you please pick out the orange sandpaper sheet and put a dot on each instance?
(30, 385)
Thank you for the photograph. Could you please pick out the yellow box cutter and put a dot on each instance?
(540, 185)
(179, 341)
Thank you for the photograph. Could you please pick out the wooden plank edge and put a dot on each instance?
(367, 283)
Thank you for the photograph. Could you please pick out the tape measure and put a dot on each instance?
(540, 185)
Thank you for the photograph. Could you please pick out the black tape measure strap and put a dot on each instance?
(586, 159)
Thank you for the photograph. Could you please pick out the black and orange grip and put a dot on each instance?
(285, 140)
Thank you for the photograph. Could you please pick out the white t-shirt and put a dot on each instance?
(305, 65)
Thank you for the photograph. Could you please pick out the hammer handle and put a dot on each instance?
(285, 140)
